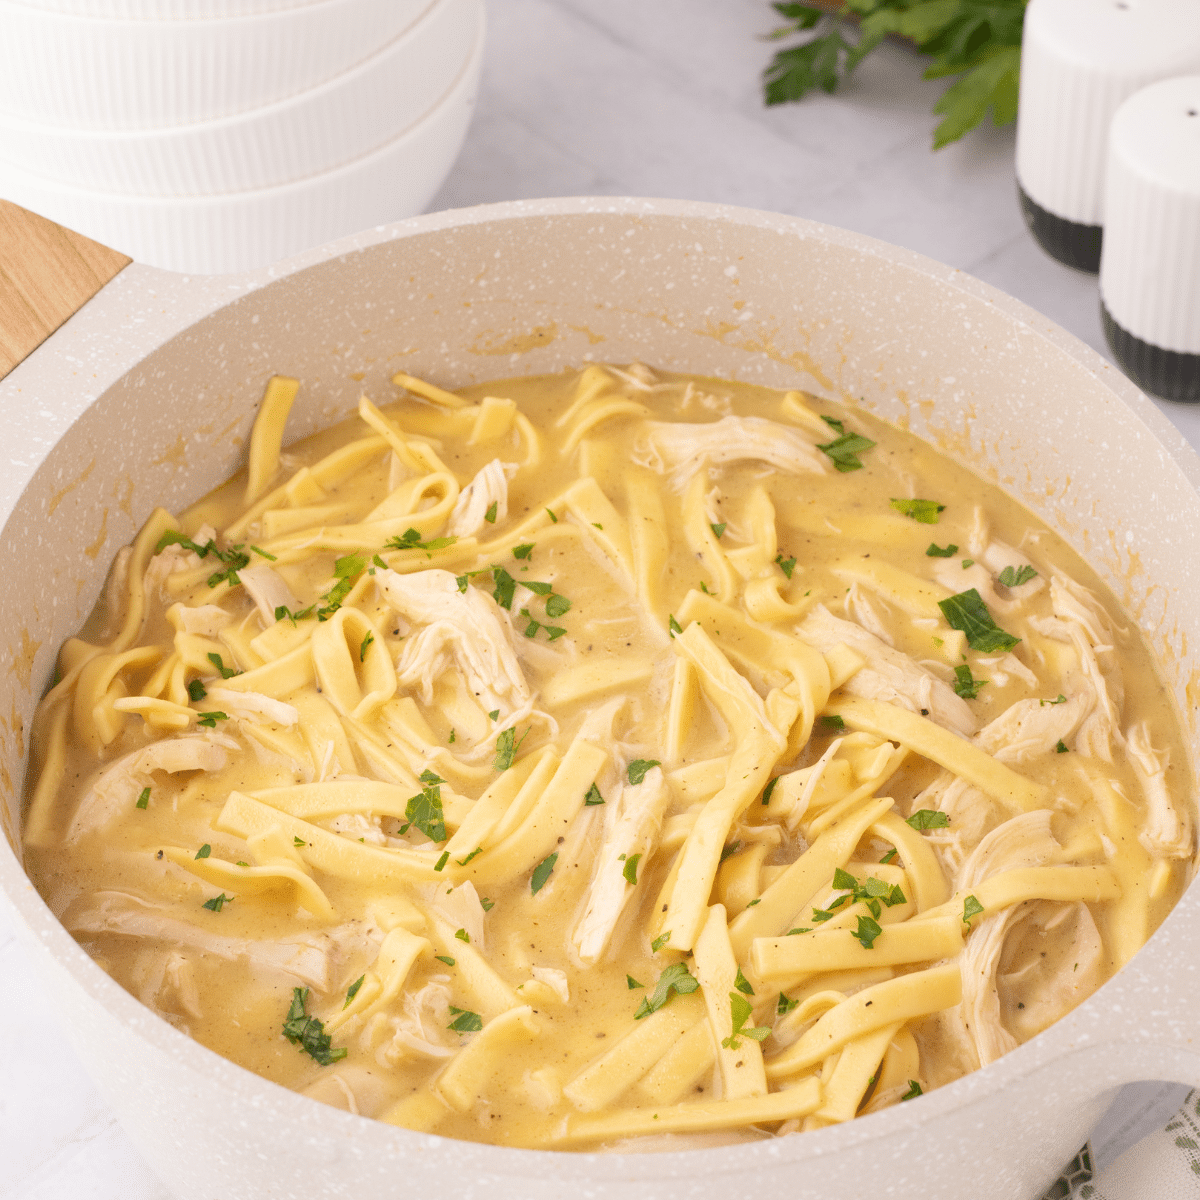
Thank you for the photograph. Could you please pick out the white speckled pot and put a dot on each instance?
(147, 397)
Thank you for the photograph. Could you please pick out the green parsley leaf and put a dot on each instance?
(524, 550)
(756, 900)
(928, 818)
(196, 691)
(411, 540)
(843, 880)
(889, 856)
(718, 530)
(936, 551)
(352, 991)
(632, 984)
(204, 851)
(298, 841)
(1060, 700)
(967, 562)
(673, 626)
(533, 626)
(790, 932)
(820, 914)
(914, 1090)
(630, 871)
(967, 612)
(379, 562)
(742, 983)
(506, 585)
(466, 1021)
(674, 979)
(557, 606)
(965, 684)
(741, 1010)
(507, 747)
(786, 565)
(660, 941)
(844, 451)
(452, 738)
(1060, 747)
(833, 722)
(638, 769)
(209, 719)
(271, 557)
(554, 632)
(592, 796)
(494, 714)
(540, 589)
(1012, 579)
(462, 862)
(552, 516)
(445, 958)
(833, 424)
(490, 515)
(424, 810)
(971, 908)
(728, 850)
(217, 902)
(486, 904)
(462, 935)
(541, 873)
(925, 511)
(785, 1005)
(219, 663)
(143, 800)
(443, 859)
(362, 650)
(309, 1033)
(766, 799)
(866, 933)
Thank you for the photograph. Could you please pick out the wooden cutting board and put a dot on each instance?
(46, 274)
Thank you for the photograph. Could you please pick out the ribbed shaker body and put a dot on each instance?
(1079, 60)
(1150, 271)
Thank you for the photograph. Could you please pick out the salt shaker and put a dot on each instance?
(1150, 269)
(1079, 60)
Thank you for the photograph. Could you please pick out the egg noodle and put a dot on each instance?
(605, 756)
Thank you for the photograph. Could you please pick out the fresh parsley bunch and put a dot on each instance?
(977, 40)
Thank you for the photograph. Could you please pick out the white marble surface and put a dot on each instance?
(655, 98)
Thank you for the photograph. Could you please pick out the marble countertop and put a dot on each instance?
(653, 98)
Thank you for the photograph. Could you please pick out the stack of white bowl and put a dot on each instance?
(220, 135)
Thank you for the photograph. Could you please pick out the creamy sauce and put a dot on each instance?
(211, 895)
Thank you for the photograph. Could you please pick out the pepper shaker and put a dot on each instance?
(1150, 269)
(1079, 60)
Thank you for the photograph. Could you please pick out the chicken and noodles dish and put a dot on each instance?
(608, 759)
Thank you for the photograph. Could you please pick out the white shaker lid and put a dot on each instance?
(1079, 60)
(1150, 269)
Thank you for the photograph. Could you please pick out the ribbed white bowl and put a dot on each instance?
(306, 134)
(109, 74)
(165, 10)
(238, 231)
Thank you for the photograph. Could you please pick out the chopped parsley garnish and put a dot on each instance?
(968, 613)
(204, 851)
(660, 941)
(1060, 747)
(217, 902)
(936, 551)
(445, 958)
(786, 565)
(1012, 579)
(638, 769)
(833, 423)
(971, 908)
(592, 796)
(452, 738)
(352, 990)
(465, 1021)
(542, 872)
(866, 933)
(728, 850)
(379, 562)
(553, 632)
(557, 606)
(507, 747)
(630, 869)
(540, 589)
(196, 691)
(674, 979)
(524, 550)
(742, 983)
(462, 935)
(362, 650)
(632, 984)
(925, 511)
(552, 517)
(967, 562)
(874, 893)
(298, 841)
(424, 810)
(490, 515)
(309, 1033)
(270, 557)
(233, 559)
(143, 800)
(673, 626)
(486, 904)
(914, 1090)
(505, 587)
(1061, 699)
(718, 530)
(833, 722)
(462, 862)
(965, 684)
(218, 662)
(769, 789)
(741, 1010)
(209, 719)
(844, 451)
(785, 1005)
(443, 859)
(928, 818)
(494, 714)
(411, 540)
(756, 900)
(888, 857)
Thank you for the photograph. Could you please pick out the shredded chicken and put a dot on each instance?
(266, 587)
(207, 620)
(1168, 831)
(461, 908)
(252, 706)
(889, 675)
(490, 486)
(1032, 727)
